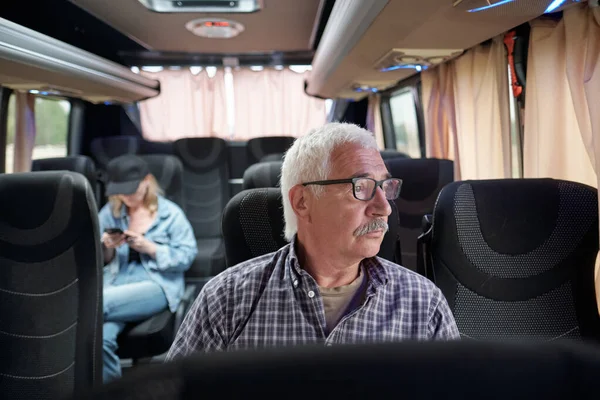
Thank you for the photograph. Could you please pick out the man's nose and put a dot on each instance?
(380, 206)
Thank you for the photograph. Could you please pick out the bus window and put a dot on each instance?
(404, 120)
(51, 126)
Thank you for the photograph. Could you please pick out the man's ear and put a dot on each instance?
(300, 201)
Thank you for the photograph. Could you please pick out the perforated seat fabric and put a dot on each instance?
(80, 164)
(104, 149)
(263, 174)
(432, 370)
(422, 180)
(206, 192)
(259, 147)
(50, 286)
(253, 225)
(515, 258)
(168, 171)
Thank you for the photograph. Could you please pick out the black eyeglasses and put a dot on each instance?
(364, 188)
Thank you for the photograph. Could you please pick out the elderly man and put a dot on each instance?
(327, 285)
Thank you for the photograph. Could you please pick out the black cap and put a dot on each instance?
(125, 174)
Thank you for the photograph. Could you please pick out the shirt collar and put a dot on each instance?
(163, 212)
(375, 271)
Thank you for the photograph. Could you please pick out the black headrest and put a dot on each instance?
(432, 370)
(422, 178)
(104, 149)
(168, 171)
(388, 154)
(81, 164)
(253, 225)
(201, 154)
(261, 146)
(272, 157)
(264, 174)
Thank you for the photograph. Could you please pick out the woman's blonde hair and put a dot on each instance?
(150, 199)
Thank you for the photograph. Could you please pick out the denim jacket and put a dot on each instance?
(176, 247)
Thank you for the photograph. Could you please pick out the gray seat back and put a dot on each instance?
(81, 164)
(168, 171)
(422, 180)
(50, 286)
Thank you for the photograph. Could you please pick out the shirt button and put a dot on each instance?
(296, 283)
(311, 294)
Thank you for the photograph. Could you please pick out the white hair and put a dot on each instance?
(309, 160)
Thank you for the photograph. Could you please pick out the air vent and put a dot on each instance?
(417, 59)
(204, 6)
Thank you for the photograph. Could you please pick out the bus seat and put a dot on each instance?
(422, 180)
(206, 192)
(152, 147)
(154, 336)
(104, 149)
(262, 174)
(433, 370)
(238, 162)
(253, 225)
(168, 171)
(50, 286)
(272, 157)
(515, 258)
(81, 164)
(261, 146)
(387, 154)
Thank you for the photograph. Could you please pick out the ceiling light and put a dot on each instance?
(554, 5)
(215, 28)
(257, 68)
(211, 71)
(135, 70)
(301, 68)
(491, 5)
(195, 70)
(152, 68)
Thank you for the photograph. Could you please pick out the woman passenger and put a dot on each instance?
(147, 244)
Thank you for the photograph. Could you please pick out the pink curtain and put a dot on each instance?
(25, 131)
(188, 106)
(273, 103)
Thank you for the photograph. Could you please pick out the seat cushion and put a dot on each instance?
(148, 338)
(210, 259)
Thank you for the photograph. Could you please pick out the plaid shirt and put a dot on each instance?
(270, 301)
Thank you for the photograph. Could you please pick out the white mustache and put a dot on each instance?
(374, 225)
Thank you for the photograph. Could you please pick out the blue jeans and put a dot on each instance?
(130, 302)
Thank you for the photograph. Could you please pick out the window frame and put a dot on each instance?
(410, 85)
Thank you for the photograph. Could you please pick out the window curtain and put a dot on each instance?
(467, 114)
(188, 106)
(437, 90)
(562, 71)
(24, 131)
(273, 103)
(374, 123)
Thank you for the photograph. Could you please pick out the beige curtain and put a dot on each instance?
(467, 115)
(555, 96)
(374, 123)
(437, 87)
(273, 103)
(482, 113)
(24, 131)
(188, 106)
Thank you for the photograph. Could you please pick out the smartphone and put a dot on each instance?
(112, 231)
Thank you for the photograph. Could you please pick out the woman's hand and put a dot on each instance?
(112, 240)
(139, 243)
